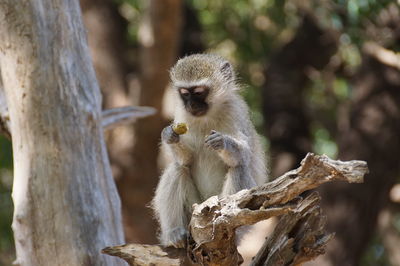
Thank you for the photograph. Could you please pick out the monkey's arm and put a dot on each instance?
(182, 155)
(234, 151)
(176, 192)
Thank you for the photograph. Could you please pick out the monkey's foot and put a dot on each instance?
(177, 237)
(215, 140)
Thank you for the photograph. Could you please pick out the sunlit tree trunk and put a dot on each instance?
(66, 205)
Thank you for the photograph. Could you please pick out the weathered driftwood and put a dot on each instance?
(139, 254)
(299, 236)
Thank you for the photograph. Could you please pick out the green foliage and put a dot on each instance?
(323, 141)
(375, 255)
(132, 11)
(5, 153)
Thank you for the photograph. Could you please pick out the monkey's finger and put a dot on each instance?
(216, 143)
(214, 132)
(213, 136)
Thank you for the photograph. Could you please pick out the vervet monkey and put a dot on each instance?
(219, 155)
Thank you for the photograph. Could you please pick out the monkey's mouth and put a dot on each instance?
(197, 111)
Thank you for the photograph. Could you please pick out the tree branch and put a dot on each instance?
(299, 237)
(111, 118)
(383, 55)
(114, 117)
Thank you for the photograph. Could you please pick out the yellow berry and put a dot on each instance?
(180, 128)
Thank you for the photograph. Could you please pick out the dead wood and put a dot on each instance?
(114, 117)
(300, 235)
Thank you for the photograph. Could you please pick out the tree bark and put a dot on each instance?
(159, 35)
(66, 207)
(287, 120)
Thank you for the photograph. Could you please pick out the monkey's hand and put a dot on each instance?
(217, 141)
(230, 151)
(169, 136)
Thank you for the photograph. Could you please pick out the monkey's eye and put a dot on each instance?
(199, 90)
(184, 92)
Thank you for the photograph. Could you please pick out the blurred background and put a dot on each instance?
(319, 75)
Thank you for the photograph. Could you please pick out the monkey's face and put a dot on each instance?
(194, 99)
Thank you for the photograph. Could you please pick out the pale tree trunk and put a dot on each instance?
(159, 39)
(66, 204)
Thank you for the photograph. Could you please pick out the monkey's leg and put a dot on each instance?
(173, 202)
(236, 179)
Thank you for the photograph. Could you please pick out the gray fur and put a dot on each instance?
(219, 155)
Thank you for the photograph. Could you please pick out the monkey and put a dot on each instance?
(220, 154)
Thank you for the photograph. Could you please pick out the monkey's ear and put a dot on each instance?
(227, 71)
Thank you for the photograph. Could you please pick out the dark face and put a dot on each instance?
(194, 99)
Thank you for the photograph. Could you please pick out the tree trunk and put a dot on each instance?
(287, 122)
(159, 35)
(66, 204)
